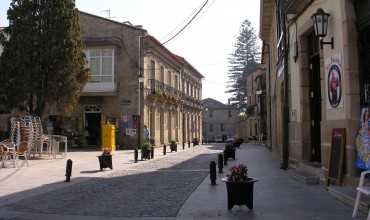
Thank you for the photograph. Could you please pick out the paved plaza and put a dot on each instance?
(175, 186)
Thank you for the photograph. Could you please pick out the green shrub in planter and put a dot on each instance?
(173, 146)
(145, 150)
(195, 141)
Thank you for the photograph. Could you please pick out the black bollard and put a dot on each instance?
(68, 170)
(188, 144)
(136, 155)
(152, 153)
(183, 145)
(225, 158)
(212, 172)
(164, 149)
(220, 163)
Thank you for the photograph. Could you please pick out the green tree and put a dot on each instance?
(42, 63)
(242, 61)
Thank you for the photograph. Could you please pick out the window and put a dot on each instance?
(211, 127)
(176, 82)
(162, 74)
(101, 64)
(211, 114)
(152, 69)
(222, 127)
(230, 115)
(169, 78)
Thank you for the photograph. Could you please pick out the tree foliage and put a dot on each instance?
(42, 63)
(242, 61)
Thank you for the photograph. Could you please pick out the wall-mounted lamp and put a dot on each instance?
(320, 22)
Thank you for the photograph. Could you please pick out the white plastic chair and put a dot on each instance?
(361, 189)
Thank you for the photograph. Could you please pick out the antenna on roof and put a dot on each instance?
(108, 11)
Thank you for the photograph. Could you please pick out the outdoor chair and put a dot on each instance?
(3, 154)
(361, 189)
(37, 145)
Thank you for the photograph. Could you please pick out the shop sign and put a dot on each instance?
(334, 85)
(363, 141)
(131, 132)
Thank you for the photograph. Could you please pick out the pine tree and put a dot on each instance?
(42, 62)
(242, 61)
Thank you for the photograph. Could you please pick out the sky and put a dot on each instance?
(206, 43)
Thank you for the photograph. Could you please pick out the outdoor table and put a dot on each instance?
(54, 141)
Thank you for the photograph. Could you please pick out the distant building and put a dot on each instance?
(219, 120)
(253, 125)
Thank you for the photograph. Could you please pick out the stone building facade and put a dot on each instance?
(253, 125)
(219, 120)
(172, 93)
(292, 54)
(168, 101)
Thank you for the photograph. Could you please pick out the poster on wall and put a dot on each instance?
(127, 126)
(334, 85)
(363, 141)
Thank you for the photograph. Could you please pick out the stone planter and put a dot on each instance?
(195, 142)
(229, 152)
(240, 193)
(173, 147)
(105, 161)
(145, 154)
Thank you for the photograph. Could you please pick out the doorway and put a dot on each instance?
(364, 50)
(93, 128)
(314, 98)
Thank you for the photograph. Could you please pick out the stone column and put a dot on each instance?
(169, 123)
(152, 124)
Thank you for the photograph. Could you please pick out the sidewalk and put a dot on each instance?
(44, 175)
(276, 195)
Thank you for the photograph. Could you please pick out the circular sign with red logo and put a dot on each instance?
(334, 85)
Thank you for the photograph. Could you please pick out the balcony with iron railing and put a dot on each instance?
(156, 88)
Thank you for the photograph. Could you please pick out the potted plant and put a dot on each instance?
(105, 159)
(145, 151)
(229, 151)
(195, 141)
(239, 187)
(173, 146)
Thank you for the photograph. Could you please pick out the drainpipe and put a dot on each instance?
(285, 162)
(269, 93)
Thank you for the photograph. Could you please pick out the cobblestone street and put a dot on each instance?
(155, 188)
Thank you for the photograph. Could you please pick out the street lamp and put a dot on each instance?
(141, 81)
(320, 22)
